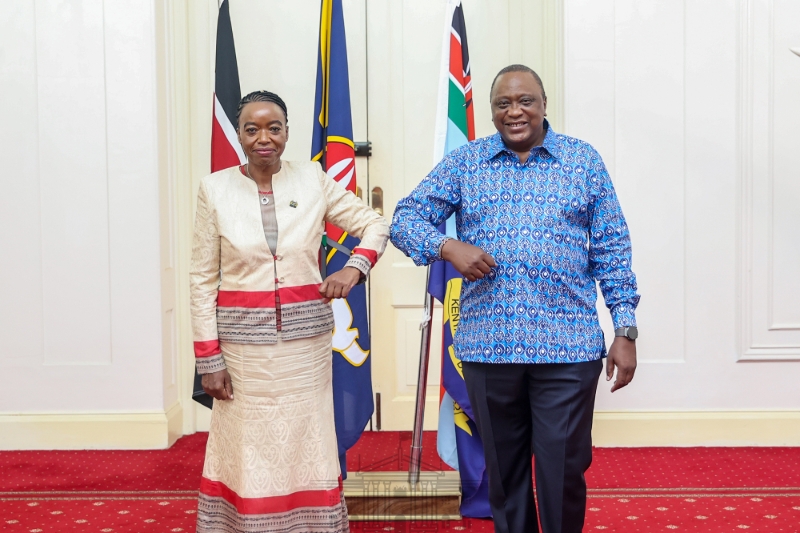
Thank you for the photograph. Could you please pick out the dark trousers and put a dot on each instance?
(544, 410)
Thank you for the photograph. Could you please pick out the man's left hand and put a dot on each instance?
(622, 355)
(338, 284)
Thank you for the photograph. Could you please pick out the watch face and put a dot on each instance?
(632, 333)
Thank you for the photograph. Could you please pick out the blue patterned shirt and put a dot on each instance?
(553, 224)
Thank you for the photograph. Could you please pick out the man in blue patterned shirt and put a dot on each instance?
(538, 224)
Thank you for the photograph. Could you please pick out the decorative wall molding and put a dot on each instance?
(696, 428)
(148, 430)
(553, 55)
(184, 35)
(762, 336)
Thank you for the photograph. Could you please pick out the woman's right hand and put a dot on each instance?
(218, 385)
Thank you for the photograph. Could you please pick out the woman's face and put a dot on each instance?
(263, 133)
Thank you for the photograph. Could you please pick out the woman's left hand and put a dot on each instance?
(338, 285)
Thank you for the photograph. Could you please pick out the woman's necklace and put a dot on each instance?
(264, 197)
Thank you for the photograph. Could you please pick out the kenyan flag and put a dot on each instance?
(455, 123)
(225, 149)
(458, 442)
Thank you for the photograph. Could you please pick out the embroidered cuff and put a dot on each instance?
(360, 262)
(212, 363)
(372, 255)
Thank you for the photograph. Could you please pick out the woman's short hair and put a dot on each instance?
(261, 96)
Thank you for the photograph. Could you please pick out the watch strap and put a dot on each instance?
(629, 332)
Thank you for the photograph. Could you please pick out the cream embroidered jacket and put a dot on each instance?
(235, 277)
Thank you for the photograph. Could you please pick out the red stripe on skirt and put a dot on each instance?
(272, 504)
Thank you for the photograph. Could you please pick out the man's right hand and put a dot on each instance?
(470, 261)
(218, 385)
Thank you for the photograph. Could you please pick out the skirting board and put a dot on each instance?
(696, 428)
(158, 430)
(91, 431)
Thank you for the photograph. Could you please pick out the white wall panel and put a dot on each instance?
(710, 206)
(276, 49)
(769, 85)
(625, 79)
(785, 289)
(73, 176)
(589, 44)
(699, 124)
(133, 184)
(649, 170)
(21, 315)
(81, 282)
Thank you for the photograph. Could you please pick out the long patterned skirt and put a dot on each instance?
(272, 461)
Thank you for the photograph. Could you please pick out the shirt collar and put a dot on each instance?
(551, 143)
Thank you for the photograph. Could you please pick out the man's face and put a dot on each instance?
(518, 110)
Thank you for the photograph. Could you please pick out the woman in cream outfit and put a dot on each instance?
(262, 330)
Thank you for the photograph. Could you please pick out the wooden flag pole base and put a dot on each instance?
(388, 496)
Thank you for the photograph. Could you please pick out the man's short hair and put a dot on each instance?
(517, 68)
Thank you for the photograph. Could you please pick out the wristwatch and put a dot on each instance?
(630, 332)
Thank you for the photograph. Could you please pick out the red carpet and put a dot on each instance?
(631, 489)
(694, 489)
(102, 491)
(178, 468)
(381, 451)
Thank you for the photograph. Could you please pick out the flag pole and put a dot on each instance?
(422, 385)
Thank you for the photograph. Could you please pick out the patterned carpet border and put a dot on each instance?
(93, 495)
(790, 492)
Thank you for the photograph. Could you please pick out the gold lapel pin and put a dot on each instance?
(292, 204)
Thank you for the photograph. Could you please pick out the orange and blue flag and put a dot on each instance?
(332, 145)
